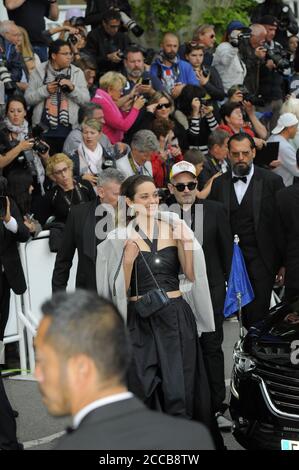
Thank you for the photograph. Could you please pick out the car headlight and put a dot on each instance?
(242, 362)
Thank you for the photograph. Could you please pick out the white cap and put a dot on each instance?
(285, 120)
(182, 167)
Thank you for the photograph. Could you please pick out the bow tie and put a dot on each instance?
(239, 178)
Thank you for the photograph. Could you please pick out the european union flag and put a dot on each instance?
(238, 285)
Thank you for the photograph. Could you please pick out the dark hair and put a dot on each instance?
(194, 156)
(3, 186)
(19, 182)
(83, 323)
(86, 111)
(162, 126)
(19, 99)
(134, 48)
(111, 14)
(86, 63)
(227, 109)
(55, 46)
(193, 46)
(296, 60)
(130, 185)
(240, 137)
(185, 99)
(217, 137)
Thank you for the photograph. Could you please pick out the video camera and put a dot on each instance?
(3, 193)
(255, 100)
(5, 77)
(279, 57)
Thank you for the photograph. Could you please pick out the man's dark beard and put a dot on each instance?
(170, 56)
(242, 169)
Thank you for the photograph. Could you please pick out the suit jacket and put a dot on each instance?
(9, 255)
(216, 240)
(265, 186)
(129, 425)
(79, 233)
(288, 221)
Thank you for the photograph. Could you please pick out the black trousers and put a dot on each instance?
(4, 303)
(211, 345)
(8, 428)
(258, 309)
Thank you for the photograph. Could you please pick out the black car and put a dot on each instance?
(264, 402)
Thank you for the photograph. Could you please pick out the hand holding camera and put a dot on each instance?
(65, 84)
(115, 56)
(260, 52)
(139, 102)
(52, 87)
(207, 110)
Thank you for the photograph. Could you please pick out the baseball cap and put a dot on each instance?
(182, 167)
(285, 120)
(73, 12)
(269, 20)
(235, 24)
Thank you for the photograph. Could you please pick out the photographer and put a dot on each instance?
(271, 72)
(95, 8)
(137, 74)
(106, 44)
(30, 14)
(280, 10)
(227, 60)
(56, 90)
(12, 231)
(91, 158)
(208, 77)
(21, 151)
(10, 67)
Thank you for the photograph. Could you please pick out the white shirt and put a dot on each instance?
(97, 404)
(287, 156)
(240, 187)
(11, 225)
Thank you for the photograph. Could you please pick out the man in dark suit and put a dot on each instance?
(83, 355)
(288, 211)
(12, 230)
(80, 233)
(210, 224)
(248, 193)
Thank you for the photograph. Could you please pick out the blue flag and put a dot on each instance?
(238, 283)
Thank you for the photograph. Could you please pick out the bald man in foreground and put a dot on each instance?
(82, 357)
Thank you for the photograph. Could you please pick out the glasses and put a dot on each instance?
(181, 186)
(163, 105)
(62, 171)
(65, 53)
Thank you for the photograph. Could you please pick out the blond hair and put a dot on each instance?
(25, 47)
(109, 79)
(54, 160)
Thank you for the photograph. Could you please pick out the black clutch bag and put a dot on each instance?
(154, 300)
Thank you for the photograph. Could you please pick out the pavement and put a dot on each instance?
(37, 430)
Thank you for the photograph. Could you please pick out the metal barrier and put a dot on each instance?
(24, 316)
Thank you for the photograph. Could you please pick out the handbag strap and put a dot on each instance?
(153, 244)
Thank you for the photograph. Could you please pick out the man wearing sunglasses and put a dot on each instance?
(211, 227)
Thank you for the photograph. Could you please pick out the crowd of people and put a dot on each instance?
(90, 120)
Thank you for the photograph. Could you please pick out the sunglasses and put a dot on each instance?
(181, 186)
(163, 105)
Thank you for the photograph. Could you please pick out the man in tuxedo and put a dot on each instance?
(288, 210)
(83, 355)
(80, 233)
(12, 230)
(248, 193)
(210, 224)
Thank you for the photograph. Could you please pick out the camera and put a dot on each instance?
(107, 163)
(243, 36)
(146, 78)
(284, 18)
(131, 24)
(37, 133)
(121, 55)
(255, 100)
(77, 21)
(64, 88)
(205, 70)
(5, 77)
(72, 39)
(3, 200)
(278, 55)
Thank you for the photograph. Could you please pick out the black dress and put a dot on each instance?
(167, 370)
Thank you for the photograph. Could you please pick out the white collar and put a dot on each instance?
(97, 404)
